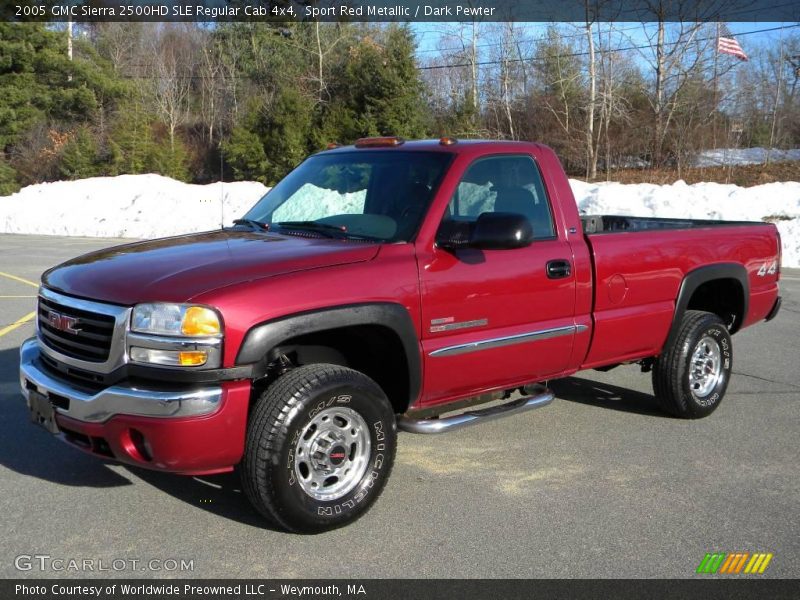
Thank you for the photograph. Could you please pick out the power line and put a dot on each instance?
(582, 34)
(497, 62)
(491, 44)
(572, 54)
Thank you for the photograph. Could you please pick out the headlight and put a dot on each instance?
(183, 320)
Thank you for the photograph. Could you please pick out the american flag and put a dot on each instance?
(727, 44)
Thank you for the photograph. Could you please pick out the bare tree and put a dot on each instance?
(453, 78)
(120, 43)
(675, 54)
(171, 70)
(562, 79)
(327, 36)
(506, 76)
(615, 107)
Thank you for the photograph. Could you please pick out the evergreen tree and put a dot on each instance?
(40, 86)
(79, 156)
(378, 90)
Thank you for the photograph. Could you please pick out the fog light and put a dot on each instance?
(176, 358)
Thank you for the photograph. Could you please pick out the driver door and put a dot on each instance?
(495, 319)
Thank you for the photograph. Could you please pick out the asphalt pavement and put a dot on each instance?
(598, 484)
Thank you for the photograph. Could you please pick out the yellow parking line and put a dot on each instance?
(19, 323)
(20, 279)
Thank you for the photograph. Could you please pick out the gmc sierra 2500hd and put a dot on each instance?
(380, 286)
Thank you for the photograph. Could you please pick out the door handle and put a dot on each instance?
(558, 269)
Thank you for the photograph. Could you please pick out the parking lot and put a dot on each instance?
(598, 484)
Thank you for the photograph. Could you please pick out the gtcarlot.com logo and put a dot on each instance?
(734, 563)
(45, 562)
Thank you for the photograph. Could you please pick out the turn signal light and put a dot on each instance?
(192, 359)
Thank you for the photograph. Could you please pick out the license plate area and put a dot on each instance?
(42, 411)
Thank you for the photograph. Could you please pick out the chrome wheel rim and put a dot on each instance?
(332, 453)
(705, 368)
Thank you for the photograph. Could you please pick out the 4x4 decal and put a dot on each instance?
(768, 269)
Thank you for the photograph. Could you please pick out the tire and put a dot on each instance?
(320, 446)
(691, 375)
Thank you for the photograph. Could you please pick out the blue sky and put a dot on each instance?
(429, 33)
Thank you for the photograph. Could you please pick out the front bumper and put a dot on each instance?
(195, 430)
(96, 407)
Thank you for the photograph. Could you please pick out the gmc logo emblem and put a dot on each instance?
(63, 322)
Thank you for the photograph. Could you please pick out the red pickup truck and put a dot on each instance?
(379, 286)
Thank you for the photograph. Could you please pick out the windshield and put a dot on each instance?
(375, 195)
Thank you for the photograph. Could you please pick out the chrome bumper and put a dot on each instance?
(114, 400)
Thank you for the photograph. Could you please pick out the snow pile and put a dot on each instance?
(135, 206)
(148, 206)
(743, 156)
(700, 201)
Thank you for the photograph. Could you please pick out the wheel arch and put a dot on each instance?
(722, 289)
(349, 335)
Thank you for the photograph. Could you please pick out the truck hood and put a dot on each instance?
(178, 268)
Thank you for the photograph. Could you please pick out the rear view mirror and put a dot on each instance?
(501, 231)
(491, 231)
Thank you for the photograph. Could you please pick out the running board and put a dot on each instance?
(475, 416)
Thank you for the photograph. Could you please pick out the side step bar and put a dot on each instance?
(472, 417)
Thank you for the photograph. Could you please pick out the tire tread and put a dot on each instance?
(267, 430)
(668, 367)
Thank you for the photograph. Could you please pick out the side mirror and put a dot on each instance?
(501, 231)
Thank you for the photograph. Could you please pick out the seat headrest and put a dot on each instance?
(515, 200)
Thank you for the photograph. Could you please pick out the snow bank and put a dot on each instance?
(743, 156)
(135, 206)
(700, 201)
(147, 206)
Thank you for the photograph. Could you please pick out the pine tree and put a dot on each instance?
(40, 87)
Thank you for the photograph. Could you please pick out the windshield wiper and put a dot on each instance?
(325, 229)
(257, 225)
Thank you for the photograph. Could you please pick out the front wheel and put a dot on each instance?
(320, 446)
(691, 375)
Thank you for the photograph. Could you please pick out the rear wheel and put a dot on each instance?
(320, 446)
(691, 375)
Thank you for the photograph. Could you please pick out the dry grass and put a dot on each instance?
(745, 175)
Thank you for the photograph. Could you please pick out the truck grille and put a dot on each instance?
(74, 332)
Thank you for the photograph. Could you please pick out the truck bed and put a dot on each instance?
(593, 224)
(637, 277)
